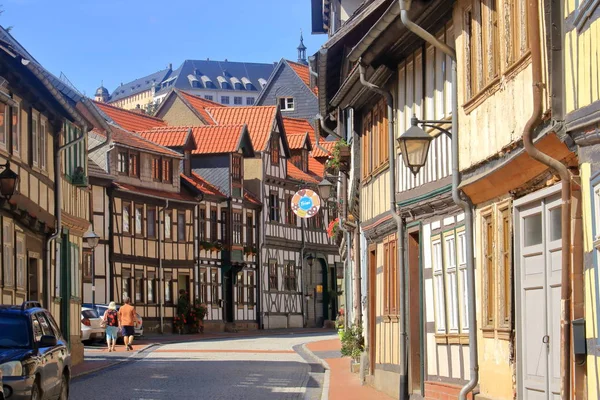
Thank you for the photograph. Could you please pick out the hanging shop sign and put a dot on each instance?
(305, 203)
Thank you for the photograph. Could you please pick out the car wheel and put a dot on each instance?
(35, 391)
(64, 388)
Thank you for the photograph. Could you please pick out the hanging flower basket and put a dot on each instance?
(217, 246)
(339, 159)
(333, 228)
(206, 245)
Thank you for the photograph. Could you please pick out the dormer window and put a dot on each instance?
(167, 170)
(207, 82)
(223, 82)
(237, 85)
(300, 159)
(236, 168)
(262, 82)
(247, 84)
(128, 163)
(286, 103)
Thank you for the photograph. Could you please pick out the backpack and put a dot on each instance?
(111, 318)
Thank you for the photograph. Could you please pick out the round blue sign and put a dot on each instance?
(305, 203)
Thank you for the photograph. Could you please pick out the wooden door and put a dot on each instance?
(538, 271)
(372, 308)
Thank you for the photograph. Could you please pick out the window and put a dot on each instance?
(204, 285)
(273, 283)
(237, 228)
(128, 163)
(390, 276)
(300, 159)
(483, 39)
(251, 287)
(451, 283)
(209, 97)
(202, 224)
(286, 103)
(168, 288)
(168, 224)
(134, 164)
(237, 100)
(224, 237)
(488, 271)
(156, 169)
(290, 216)
(249, 230)
(75, 271)
(240, 288)
(274, 149)
(35, 151)
(139, 286)
(374, 137)
(236, 168)
(273, 207)
(4, 112)
(126, 217)
(167, 170)
(249, 101)
(151, 222)
(224, 99)
(213, 224)
(150, 284)
(125, 282)
(438, 283)
(139, 223)
(214, 288)
(462, 266)
(87, 266)
(181, 228)
(21, 267)
(122, 163)
(16, 128)
(505, 269)
(43, 144)
(290, 276)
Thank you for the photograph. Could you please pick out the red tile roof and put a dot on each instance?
(317, 152)
(217, 138)
(315, 167)
(302, 71)
(296, 130)
(135, 141)
(200, 105)
(168, 136)
(129, 120)
(296, 173)
(153, 192)
(203, 185)
(296, 142)
(259, 120)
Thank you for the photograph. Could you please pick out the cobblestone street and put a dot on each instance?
(275, 367)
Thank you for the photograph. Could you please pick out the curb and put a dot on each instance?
(326, 378)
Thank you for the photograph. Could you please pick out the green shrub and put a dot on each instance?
(353, 342)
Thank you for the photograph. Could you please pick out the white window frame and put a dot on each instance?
(35, 138)
(21, 274)
(43, 142)
(450, 273)
(7, 253)
(223, 99)
(7, 121)
(437, 264)
(16, 136)
(286, 103)
(238, 98)
(462, 268)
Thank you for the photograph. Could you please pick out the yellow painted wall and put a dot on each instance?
(499, 118)
(375, 196)
(387, 351)
(131, 102)
(177, 113)
(582, 59)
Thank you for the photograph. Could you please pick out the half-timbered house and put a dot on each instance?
(42, 139)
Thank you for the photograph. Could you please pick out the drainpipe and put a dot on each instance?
(161, 275)
(565, 178)
(459, 197)
(399, 229)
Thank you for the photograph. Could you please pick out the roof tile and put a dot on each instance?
(297, 174)
(167, 136)
(202, 184)
(133, 140)
(303, 73)
(259, 120)
(217, 138)
(153, 192)
(130, 120)
(200, 105)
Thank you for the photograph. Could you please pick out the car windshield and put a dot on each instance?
(15, 332)
(89, 314)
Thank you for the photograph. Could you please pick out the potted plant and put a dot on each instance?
(339, 159)
(217, 245)
(353, 343)
(206, 245)
(179, 322)
(339, 323)
(333, 228)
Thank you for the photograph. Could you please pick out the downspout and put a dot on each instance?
(565, 178)
(258, 279)
(399, 230)
(459, 197)
(304, 301)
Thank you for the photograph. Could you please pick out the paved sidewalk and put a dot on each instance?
(99, 358)
(343, 384)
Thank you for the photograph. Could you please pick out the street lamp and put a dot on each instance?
(324, 187)
(414, 144)
(8, 181)
(310, 260)
(92, 239)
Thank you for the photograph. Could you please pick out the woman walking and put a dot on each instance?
(111, 318)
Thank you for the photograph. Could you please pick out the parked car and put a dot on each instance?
(35, 362)
(91, 328)
(1, 388)
(101, 309)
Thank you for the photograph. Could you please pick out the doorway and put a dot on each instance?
(414, 316)
(372, 308)
(538, 244)
(33, 284)
(228, 295)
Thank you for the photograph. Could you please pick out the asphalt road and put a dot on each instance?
(261, 368)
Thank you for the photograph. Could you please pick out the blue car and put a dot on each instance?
(35, 362)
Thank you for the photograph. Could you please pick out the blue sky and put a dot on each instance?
(119, 40)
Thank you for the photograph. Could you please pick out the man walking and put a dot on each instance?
(126, 322)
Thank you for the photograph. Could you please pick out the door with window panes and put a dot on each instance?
(538, 242)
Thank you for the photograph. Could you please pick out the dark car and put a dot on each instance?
(35, 362)
(1, 389)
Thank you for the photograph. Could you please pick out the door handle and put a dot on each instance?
(546, 339)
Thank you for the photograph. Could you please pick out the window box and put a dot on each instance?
(339, 160)
(217, 246)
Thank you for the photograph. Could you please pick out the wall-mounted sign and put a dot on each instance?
(306, 203)
(319, 288)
